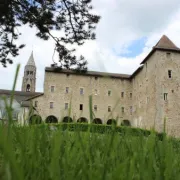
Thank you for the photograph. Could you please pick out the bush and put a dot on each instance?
(103, 129)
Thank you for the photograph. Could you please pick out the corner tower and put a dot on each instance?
(29, 79)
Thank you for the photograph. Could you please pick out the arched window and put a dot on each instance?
(35, 119)
(28, 88)
(111, 121)
(82, 120)
(51, 119)
(67, 119)
(125, 123)
(97, 121)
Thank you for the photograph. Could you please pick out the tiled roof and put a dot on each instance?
(164, 44)
(19, 95)
(87, 73)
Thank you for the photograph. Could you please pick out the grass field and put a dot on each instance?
(85, 152)
(39, 153)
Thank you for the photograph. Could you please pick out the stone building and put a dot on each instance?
(144, 99)
(21, 107)
(29, 79)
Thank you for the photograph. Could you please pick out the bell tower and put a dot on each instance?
(29, 79)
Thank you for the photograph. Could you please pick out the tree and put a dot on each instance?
(72, 17)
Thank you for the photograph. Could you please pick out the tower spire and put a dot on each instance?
(31, 61)
(29, 79)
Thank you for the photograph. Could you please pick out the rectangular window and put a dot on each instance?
(66, 106)
(95, 92)
(130, 95)
(51, 105)
(109, 108)
(169, 73)
(81, 91)
(81, 107)
(67, 90)
(36, 104)
(131, 110)
(96, 78)
(52, 88)
(95, 107)
(109, 93)
(147, 100)
(165, 96)
(122, 110)
(168, 54)
(122, 94)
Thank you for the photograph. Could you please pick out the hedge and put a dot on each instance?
(94, 128)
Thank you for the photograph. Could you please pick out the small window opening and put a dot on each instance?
(81, 91)
(122, 110)
(28, 88)
(122, 94)
(109, 108)
(81, 107)
(52, 88)
(27, 72)
(51, 105)
(147, 100)
(96, 78)
(130, 95)
(95, 107)
(36, 104)
(170, 73)
(131, 110)
(109, 93)
(95, 92)
(67, 90)
(168, 54)
(67, 75)
(165, 96)
(66, 106)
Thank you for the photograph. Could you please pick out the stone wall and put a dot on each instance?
(97, 87)
(149, 86)
(29, 78)
(149, 109)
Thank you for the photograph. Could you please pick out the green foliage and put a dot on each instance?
(74, 19)
(85, 151)
(82, 151)
(103, 129)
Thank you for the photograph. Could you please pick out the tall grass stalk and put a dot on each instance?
(39, 152)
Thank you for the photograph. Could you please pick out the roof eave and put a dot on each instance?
(87, 73)
(136, 71)
(34, 97)
(160, 49)
(147, 57)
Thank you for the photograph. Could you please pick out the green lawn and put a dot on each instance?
(38, 153)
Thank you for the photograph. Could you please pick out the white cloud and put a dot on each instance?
(122, 22)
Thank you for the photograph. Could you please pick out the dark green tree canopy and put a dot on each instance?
(73, 17)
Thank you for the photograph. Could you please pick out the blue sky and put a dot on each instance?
(134, 48)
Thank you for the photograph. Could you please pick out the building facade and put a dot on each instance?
(21, 107)
(147, 99)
